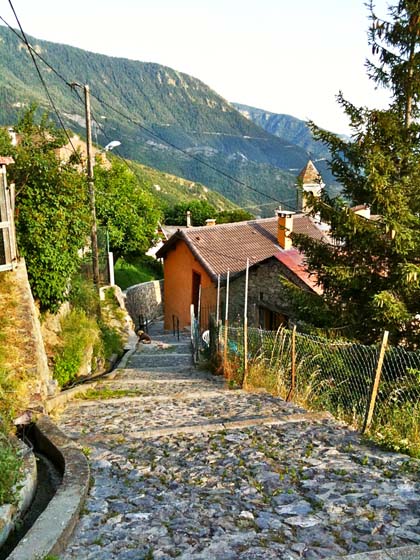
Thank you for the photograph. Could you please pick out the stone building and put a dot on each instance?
(198, 259)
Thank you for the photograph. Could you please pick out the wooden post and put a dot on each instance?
(246, 325)
(226, 322)
(375, 384)
(91, 184)
(293, 365)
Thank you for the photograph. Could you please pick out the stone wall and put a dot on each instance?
(145, 299)
(41, 384)
(264, 291)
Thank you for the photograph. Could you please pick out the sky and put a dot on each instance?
(284, 56)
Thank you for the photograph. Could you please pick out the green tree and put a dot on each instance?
(201, 210)
(6, 148)
(51, 207)
(230, 216)
(126, 209)
(371, 274)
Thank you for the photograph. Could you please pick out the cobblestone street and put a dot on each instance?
(184, 468)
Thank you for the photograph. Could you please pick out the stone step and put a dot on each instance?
(215, 426)
(170, 348)
(178, 370)
(143, 360)
(171, 340)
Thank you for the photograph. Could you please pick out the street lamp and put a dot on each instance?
(112, 145)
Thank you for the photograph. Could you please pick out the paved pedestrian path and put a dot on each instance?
(184, 468)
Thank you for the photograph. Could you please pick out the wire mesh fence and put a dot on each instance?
(332, 375)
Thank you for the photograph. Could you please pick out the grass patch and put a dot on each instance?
(398, 429)
(137, 270)
(10, 470)
(83, 337)
(16, 358)
(79, 333)
(103, 394)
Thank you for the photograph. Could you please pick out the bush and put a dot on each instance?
(83, 295)
(111, 341)
(79, 332)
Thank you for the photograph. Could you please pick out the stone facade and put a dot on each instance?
(266, 295)
(146, 300)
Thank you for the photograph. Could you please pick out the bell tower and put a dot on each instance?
(309, 182)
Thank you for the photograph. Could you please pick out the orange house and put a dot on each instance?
(184, 274)
(199, 256)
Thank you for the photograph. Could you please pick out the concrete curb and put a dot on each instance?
(52, 529)
(9, 514)
(67, 395)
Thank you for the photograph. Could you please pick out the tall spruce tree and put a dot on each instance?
(371, 273)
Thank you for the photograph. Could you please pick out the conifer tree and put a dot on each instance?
(371, 271)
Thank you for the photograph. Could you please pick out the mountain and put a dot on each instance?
(287, 127)
(170, 190)
(162, 106)
(294, 131)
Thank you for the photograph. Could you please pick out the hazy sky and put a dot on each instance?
(285, 56)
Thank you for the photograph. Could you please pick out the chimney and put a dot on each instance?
(211, 222)
(189, 219)
(284, 228)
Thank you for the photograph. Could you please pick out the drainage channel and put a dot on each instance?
(49, 478)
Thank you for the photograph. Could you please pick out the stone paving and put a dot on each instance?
(188, 469)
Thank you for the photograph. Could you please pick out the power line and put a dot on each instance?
(31, 51)
(186, 153)
(137, 123)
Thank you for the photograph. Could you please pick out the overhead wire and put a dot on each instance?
(186, 153)
(152, 133)
(31, 52)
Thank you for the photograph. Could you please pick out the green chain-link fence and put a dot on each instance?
(323, 374)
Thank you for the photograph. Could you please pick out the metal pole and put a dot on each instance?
(218, 300)
(226, 321)
(199, 308)
(246, 325)
(91, 184)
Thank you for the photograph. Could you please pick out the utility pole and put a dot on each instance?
(91, 185)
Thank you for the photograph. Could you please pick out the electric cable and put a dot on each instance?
(31, 51)
(188, 154)
(141, 126)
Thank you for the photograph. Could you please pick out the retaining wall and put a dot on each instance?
(145, 299)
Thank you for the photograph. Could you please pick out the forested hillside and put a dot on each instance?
(172, 106)
(170, 189)
(295, 131)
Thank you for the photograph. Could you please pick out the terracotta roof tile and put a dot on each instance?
(226, 247)
(295, 262)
